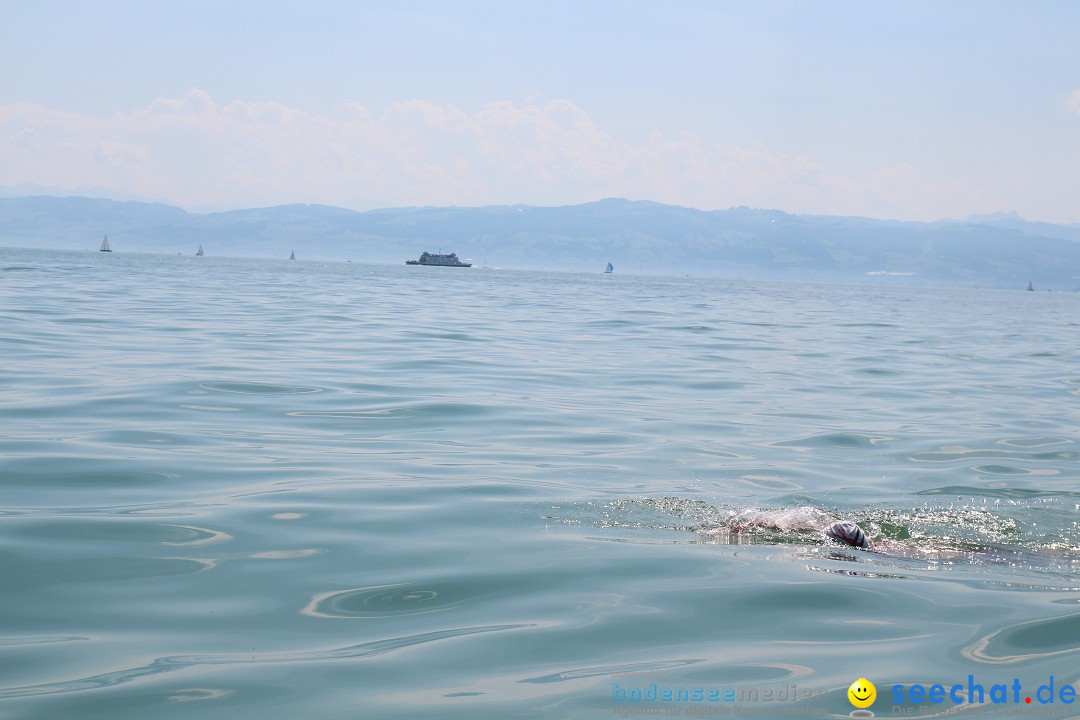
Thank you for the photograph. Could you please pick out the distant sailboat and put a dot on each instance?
(292, 256)
(610, 268)
(105, 245)
(1029, 287)
(200, 251)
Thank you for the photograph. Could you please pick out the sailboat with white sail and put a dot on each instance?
(610, 269)
(199, 253)
(105, 245)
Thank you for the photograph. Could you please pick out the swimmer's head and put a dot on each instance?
(848, 533)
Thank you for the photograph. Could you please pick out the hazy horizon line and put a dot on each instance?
(13, 192)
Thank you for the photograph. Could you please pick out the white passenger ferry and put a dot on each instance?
(450, 260)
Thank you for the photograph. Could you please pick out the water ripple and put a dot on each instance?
(48, 640)
(173, 663)
(406, 599)
(640, 667)
(1032, 640)
(251, 388)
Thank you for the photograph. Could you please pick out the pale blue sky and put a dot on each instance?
(889, 109)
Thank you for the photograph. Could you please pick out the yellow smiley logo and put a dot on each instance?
(862, 693)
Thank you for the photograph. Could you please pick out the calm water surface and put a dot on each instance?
(255, 489)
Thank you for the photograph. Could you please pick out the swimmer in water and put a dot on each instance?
(848, 533)
(802, 524)
(844, 532)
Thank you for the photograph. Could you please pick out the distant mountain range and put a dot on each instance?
(638, 237)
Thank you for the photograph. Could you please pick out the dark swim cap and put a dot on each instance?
(848, 533)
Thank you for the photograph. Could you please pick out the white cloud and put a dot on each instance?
(195, 152)
(1073, 103)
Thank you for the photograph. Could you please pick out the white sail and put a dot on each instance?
(293, 255)
(200, 251)
(105, 245)
(610, 268)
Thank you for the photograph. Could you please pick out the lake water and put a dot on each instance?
(272, 489)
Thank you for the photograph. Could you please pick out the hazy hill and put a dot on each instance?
(638, 237)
